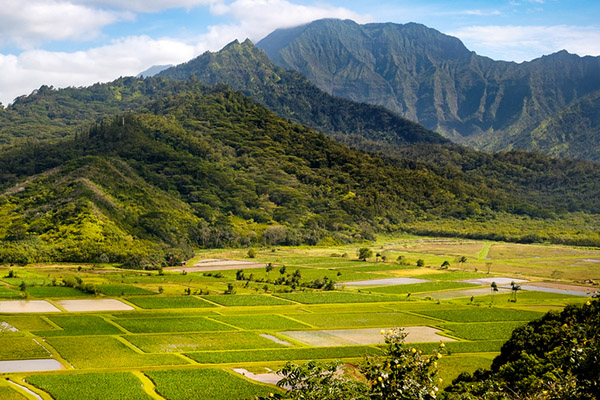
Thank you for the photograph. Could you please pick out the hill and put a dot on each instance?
(433, 79)
(208, 167)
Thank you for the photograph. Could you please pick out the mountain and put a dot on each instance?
(244, 67)
(209, 167)
(433, 79)
(153, 70)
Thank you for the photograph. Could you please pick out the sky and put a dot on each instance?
(64, 43)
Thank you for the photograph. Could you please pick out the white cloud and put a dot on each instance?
(129, 56)
(20, 74)
(27, 23)
(257, 18)
(147, 5)
(522, 43)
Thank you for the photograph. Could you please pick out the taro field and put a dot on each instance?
(220, 326)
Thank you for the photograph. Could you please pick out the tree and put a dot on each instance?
(493, 289)
(420, 263)
(515, 289)
(445, 264)
(251, 253)
(364, 253)
(554, 357)
(268, 269)
(282, 270)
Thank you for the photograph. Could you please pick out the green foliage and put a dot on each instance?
(78, 325)
(554, 357)
(364, 253)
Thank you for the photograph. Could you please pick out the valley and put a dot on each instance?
(141, 331)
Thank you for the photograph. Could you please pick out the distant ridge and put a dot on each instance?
(153, 70)
(433, 79)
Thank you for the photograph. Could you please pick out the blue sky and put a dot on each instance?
(80, 42)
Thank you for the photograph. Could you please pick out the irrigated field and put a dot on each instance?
(179, 334)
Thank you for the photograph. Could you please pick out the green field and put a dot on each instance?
(91, 386)
(184, 346)
(205, 384)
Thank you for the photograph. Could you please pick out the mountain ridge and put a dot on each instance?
(433, 79)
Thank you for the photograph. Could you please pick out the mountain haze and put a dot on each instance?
(433, 79)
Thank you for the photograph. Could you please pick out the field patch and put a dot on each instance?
(27, 322)
(481, 314)
(384, 282)
(94, 305)
(169, 302)
(484, 331)
(169, 324)
(353, 337)
(79, 325)
(190, 342)
(294, 354)
(255, 322)
(21, 348)
(454, 294)
(91, 386)
(27, 306)
(7, 393)
(499, 280)
(55, 291)
(247, 300)
(6, 293)
(106, 352)
(48, 364)
(205, 384)
(337, 297)
(123, 290)
(357, 319)
(421, 287)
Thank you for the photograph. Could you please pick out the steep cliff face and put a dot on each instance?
(433, 79)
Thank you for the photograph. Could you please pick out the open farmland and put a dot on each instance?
(179, 334)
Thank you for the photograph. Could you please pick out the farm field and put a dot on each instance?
(179, 333)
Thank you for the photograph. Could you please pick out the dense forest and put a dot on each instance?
(206, 166)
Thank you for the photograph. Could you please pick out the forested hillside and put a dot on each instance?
(433, 79)
(208, 167)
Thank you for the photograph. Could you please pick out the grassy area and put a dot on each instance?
(91, 386)
(362, 319)
(80, 325)
(169, 329)
(482, 314)
(21, 348)
(336, 297)
(169, 302)
(106, 352)
(177, 343)
(205, 384)
(296, 354)
(247, 300)
(264, 322)
(171, 324)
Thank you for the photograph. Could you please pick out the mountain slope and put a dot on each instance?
(209, 167)
(244, 67)
(435, 80)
